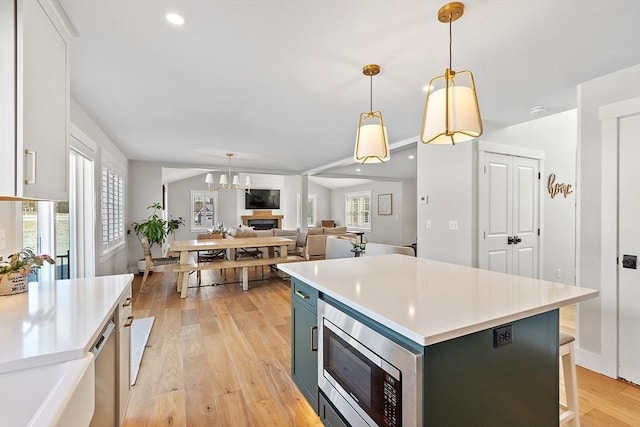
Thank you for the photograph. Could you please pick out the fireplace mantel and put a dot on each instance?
(262, 214)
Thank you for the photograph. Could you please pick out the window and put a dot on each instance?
(112, 205)
(81, 239)
(204, 210)
(311, 210)
(357, 210)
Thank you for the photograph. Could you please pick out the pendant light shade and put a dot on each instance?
(371, 139)
(372, 145)
(451, 112)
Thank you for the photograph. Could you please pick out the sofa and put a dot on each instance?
(295, 248)
(310, 245)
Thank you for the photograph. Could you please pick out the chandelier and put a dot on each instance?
(226, 182)
(372, 145)
(451, 112)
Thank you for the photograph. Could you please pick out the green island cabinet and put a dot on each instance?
(488, 341)
(304, 340)
(466, 380)
(304, 354)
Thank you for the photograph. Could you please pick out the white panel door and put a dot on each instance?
(525, 216)
(629, 244)
(509, 197)
(499, 211)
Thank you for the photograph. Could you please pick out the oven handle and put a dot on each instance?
(313, 328)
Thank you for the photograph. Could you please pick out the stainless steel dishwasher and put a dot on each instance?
(104, 352)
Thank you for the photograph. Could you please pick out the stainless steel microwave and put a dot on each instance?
(370, 380)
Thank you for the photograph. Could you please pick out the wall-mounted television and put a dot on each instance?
(262, 199)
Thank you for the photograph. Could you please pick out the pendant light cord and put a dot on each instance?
(450, 40)
(371, 93)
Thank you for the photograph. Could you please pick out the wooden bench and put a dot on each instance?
(213, 265)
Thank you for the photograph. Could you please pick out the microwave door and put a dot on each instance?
(358, 374)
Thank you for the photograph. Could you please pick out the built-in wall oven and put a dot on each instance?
(370, 379)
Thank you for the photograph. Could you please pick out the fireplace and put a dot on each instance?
(262, 220)
(262, 224)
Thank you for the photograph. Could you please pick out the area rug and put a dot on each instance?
(140, 330)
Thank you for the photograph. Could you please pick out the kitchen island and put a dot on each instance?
(452, 317)
(46, 370)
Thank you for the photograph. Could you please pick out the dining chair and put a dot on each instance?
(383, 249)
(151, 262)
(338, 247)
(210, 255)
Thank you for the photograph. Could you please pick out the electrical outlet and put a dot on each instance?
(428, 223)
(453, 225)
(502, 336)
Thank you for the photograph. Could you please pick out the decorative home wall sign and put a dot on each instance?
(556, 188)
(385, 202)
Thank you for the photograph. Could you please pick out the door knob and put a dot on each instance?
(516, 240)
(510, 240)
(629, 261)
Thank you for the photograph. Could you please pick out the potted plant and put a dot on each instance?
(155, 229)
(358, 247)
(173, 224)
(14, 273)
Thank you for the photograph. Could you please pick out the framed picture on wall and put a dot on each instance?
(385, 204)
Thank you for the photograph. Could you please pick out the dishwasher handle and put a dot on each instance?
(106, 333)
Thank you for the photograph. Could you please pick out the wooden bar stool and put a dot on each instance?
(567, 357)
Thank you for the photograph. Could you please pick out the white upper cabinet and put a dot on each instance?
(7, 99)
(43, 100)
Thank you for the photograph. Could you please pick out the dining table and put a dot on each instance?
(185, 247)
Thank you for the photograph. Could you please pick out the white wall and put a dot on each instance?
(323, 201)
(615, 87)
(447, 176)
(409, 211)
(145, 189)
(556, 135)
(115, 262)
(396, 229)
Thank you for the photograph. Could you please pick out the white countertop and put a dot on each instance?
(429, 301)
(56, 321)
(59, 394)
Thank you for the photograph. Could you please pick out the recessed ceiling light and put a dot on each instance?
(538, 109)
(412, 157)
(175, 19)
(358, 170)
(427, 88)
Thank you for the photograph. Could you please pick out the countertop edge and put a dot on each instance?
(75, 353)
(446, 335)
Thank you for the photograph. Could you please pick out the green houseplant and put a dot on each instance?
(155, 228)
(14, 272)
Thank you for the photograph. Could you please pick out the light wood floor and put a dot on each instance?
(221, 357)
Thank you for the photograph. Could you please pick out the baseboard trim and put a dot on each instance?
(588, 359)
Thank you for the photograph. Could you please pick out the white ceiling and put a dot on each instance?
(280, 83)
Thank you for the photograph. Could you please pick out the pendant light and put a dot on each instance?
(451, 112)
(371, 140)
(226, 182)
